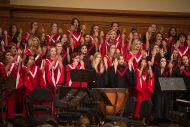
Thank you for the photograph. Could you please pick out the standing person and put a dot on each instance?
(76, 64)
(118, 74)
(53, 37)
(75, 33)
(11, 70)
(67, 50)
(34, 49)
(11, 38)
(99, 71)
(32, 33)
(31, 76)
(144, 84)
(181, 45)
(185, 70)
(162, 99)
(136, 52)
(109, 57)
(54, 70)
(110, 40)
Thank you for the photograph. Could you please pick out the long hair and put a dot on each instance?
(30, 41)
(169, 31)
(135, 42)
(3, 57)
(72, 23)
(146, 69)
(27, 59)
(48, 54)
(100, 67)
(92, 30)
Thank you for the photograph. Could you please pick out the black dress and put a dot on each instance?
(122, 78)
(162, 99)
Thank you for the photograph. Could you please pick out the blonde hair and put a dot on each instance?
(50, 50)
(100, 66)
(30, 41)
(135, 42)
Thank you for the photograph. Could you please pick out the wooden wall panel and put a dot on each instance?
(23, 15)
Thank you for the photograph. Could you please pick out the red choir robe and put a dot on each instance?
(38, 58)
(68, 78)
(2, 70)
(183, 50)
(32, 79)
(144, 89)
(27, 36)
(51, 41)
(76, 37)
(54, 76)
(136, 60)
(13, 71)
(124, 49)
(104, 46)
(167, 41)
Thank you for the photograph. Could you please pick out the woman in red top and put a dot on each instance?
(11, 70)
(76, 64)
(54, 70)
(75, 33)
(108, 59)
(53, 37)
(145, 84)
(181, 45)
(137, 52)
(35, 49)
(32, 33)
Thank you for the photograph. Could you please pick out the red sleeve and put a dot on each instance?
(103, 49)
(139, 83)
(25, 79)
(60, 77)
(2, 70)
(41, 79)
(67, 75)
(48, 73)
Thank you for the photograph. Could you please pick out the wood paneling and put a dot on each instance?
(23, 15)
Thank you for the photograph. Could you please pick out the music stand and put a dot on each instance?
(172, 84)
(78, 75)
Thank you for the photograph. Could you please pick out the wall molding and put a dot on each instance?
(20, 14)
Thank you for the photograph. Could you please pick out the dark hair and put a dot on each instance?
(3, 56)
(32, 24)
(92, 29)
(162, 58)
(118, 31)
(72, 23)
(139, 66)
(75, 54)
(27, 59)
(10, 29)
(169, 31)
(52, 24)
(133, 30)
(182, 34)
